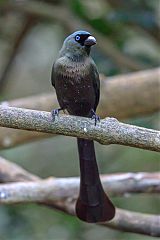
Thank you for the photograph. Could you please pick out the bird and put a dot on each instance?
(76, 81)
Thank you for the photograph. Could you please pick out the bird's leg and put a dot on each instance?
(95, 116)
(55, 112)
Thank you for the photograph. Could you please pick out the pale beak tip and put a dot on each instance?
(90, 41)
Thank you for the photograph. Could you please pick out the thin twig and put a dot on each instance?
(108, 131)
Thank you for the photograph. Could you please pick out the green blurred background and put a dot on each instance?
(30, 38)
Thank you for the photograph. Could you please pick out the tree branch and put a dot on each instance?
(61, 194)
(136, 223)
(141, 98)
(108, 131)
(118, 184)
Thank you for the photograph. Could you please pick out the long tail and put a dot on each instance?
(93, 205)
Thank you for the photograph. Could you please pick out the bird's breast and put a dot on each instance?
(74, 88)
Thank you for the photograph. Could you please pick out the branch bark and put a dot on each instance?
(123, 96)
(118, 184)
(61, 194)
(52, 189)
(136, 222)
(108, 131)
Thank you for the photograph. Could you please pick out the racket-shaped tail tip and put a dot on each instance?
(93, 214)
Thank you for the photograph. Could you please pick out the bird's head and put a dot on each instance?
(78, 44)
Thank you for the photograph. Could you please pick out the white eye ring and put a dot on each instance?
(77, 38)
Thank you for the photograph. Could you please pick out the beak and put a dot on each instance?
(90, 41)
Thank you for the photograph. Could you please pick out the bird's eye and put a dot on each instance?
(77, 38)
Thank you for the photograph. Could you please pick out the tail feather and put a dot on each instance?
(93, 205)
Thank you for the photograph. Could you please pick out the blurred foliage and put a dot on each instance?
(132, 27)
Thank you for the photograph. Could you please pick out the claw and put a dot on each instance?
(55, 113)
(95, 117)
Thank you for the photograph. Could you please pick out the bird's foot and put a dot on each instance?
(95, 117)
(55, 113)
